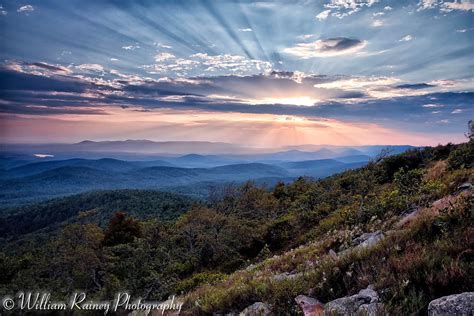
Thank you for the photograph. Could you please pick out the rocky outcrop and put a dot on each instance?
(286, 276)
(366, 302)
(457, 304)
(408, 218)
(364, 241)
(310, 306)
(256, 309)
(368, 239)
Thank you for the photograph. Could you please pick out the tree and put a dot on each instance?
(76, 258)
(121, 230)
(470, 130)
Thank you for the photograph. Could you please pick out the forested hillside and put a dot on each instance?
(402, 224)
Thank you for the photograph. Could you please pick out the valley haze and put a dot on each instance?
(31, 173)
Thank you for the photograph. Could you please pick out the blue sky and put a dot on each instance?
(262, 73)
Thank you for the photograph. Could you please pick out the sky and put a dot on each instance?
(256, 73)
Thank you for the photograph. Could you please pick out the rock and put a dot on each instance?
(333, 254)
(465, 186)
(368, 239)
(310, 306)
(457, 304)
(371, 309)
(256, 309)
(365, 302)
(286, 276)
(407, 218)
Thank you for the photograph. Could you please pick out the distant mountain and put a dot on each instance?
(312, 164)
(139, 149)
(134, 147)
(106, 164)
(202, 161)
(319, 168)
(73, 177)
(355, 158)
(27, 178)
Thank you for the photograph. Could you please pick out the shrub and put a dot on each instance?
(462, 157)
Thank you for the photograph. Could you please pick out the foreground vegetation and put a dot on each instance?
(224, 255)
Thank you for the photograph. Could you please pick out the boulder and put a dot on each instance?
(333, 254)
(366, 302)
(310, 306)
(286, 276)
(256, 309)
(371, 309)
(408, 218)
(457, 304)
(465, 186)
(368, 239)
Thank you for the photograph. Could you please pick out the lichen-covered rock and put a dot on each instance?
(457, 304)
(372, 309)
(366, 302)
(286, 276)
(256, 309)
(310, 306)
(364, 241)
(368, 239)
(408, 218)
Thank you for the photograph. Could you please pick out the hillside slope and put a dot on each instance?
(398, 231)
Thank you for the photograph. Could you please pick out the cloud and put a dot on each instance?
(415, 86)
(90, 67)
(427, 4)
(245, 30)
(343, 8)
(163, 45)
(46, 89)
(406, 38)
(446, 6)
(131, 47)
(432, 105)
(205, 63)
(163, 56)
(388, 8)
(371, 87)
(326, 47)
(464, 5)
(36, 68)
(3, 11)
(377, 23)
(457, 111)
(26, 8)
(305, 36)
(323, 15)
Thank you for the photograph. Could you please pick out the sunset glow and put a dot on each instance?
(257, 73)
